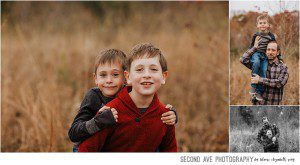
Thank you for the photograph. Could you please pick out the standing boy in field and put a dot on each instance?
(139, 127)
(258, 59)
(93, 116)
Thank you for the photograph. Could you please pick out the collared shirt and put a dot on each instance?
(276, 77)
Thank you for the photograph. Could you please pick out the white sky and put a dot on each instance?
(271, 6)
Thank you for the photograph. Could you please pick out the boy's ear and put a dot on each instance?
(94, 77)
(126, 74)
(165, 75)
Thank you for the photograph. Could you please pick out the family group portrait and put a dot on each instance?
(142, 76)
(264, 53)
(104, 76)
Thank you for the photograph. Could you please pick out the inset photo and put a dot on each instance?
(264, 129)
(264, 53)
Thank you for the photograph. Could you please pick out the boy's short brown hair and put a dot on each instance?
(110, 56)
(147, 50)
(263, 16)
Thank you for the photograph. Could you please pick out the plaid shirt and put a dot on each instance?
(276, 77)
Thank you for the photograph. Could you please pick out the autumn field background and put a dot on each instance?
(246, 121)
(47, 56)
(285, 26)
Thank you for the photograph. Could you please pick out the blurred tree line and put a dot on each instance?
(122, 11)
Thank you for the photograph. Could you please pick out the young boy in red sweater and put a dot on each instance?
(109, 78)
(139, 127)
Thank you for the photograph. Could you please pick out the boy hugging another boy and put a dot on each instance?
(259, 60)
(139, 127)
(93, 116)
(271, 144)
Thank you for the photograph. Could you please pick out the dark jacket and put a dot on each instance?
(271, 146)
(262, 135)
(84, 124)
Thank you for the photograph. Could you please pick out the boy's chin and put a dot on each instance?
(109, 94)
(264, 31)
(146, 93)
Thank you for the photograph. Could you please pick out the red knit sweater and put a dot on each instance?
(134, 132)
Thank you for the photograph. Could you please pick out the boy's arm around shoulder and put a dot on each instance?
(88, 109)
(96, 142)
(87, 122)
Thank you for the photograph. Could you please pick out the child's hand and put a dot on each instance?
(169, 117)
(255, 79)
(102, 109)
(257, 39)
(274, 139)
(115, 113)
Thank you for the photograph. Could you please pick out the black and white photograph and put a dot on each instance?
(264, 129)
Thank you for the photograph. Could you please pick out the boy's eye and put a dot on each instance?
(116, 74)
(102, 75)
(154, 69)
(139, 69)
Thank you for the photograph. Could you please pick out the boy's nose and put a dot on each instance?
(147, 73)
(109, 79)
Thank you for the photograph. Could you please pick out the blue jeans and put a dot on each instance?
(75, 149)
(259, 63)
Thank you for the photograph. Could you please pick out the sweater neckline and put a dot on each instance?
(128, 102)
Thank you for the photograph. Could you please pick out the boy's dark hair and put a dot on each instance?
(110, 56)
(149, 51)
(263, 16)
(278, 47)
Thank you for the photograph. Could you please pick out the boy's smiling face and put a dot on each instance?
(263, 25)
(146, 76)
(109, 78)
(269, 133)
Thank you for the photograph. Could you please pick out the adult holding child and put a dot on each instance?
(276, 75)
(268, 136)
(269, 73)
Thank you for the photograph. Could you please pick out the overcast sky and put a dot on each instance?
(272, 7)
